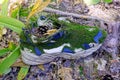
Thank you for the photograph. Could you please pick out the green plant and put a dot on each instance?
(107, 1)
(16, 25)
(91, 2)
(9, 60)
(12, 22)
(3, 12)
(4, 8)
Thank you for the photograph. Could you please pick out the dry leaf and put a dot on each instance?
(19, 63)
(50, 32)
(77, 2)
(41, 67)
(38, 7)
(37, 4)
(65, 73)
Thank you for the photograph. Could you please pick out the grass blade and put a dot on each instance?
(91, 2)
(15, 12)
(23, 72)
(11, 47)
(4, 8)
(9, 60)
(4, 51)
(12, 23)
(107, 1)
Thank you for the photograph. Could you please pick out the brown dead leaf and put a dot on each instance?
(65, 73)
(19, 63)
(50, 32)
(41, 67)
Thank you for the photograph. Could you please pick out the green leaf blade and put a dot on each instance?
(15, 12)
(23, 72)
(4, 8)
(107, 1)
(9, 60)
(91, 2)
(4, 51)
(12, 23)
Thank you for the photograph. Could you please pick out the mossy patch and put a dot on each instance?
(75, 34)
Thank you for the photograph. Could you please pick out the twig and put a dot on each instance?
(70, 14)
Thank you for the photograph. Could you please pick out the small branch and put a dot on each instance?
(70, 14)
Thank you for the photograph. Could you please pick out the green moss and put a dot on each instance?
(76, 35)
